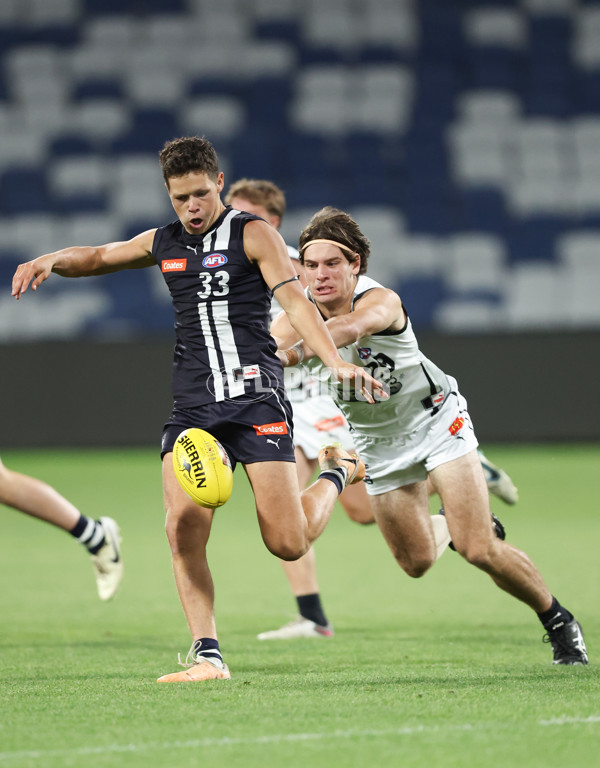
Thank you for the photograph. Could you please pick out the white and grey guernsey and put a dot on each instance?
(418, 389)
(223, 346)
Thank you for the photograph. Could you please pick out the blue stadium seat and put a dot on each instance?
(267, 100)
(81, 203)
(371, 54)
(141, 7)
(70, 144)
(494, 68)
(588, 92)
(149, 131)
(534, 239)
(420, 297)
(311, 154)
(201, 85)
(98, 88)
(315, 193)
(309, 55)
(24, 190)
(483, 209)
(287, 30)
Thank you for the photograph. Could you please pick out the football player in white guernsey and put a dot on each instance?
(422, 429)
(221, 267)
(317, 420)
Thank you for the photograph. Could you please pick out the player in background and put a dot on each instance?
(317, 419)
(101, 538)
(221, 267)
(423, 430)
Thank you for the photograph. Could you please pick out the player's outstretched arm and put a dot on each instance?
(266, 247)
(83, 261)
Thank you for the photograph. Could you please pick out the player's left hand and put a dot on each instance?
(356, 377)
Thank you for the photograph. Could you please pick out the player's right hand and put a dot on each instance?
(34, 272)
(372, 390)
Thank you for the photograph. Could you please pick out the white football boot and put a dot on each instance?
(107, 562)
(498, 482)
(298, 627)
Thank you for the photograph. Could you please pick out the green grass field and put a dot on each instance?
(442, 671)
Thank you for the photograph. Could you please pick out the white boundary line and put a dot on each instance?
(276, 738)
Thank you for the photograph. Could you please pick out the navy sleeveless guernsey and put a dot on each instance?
(223, 347)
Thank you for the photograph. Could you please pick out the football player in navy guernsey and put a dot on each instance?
(221, 267)
(422, 428)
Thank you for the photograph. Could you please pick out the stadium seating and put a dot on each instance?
(465, 137)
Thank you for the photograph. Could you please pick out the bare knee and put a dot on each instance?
(360, 516)
(415, 566)
(480, 554)
(417, 569)
(286, 548)
(285, 543)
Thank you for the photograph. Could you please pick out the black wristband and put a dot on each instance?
(289, 280)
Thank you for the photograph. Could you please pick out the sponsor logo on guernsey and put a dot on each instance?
(173, 265)
(214, 260)
(364, 352)
(456, 425)
(275, 428)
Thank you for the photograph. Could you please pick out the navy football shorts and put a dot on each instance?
(250, 431)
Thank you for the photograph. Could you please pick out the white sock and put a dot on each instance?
(441, 534)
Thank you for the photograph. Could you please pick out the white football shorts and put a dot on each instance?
(403, 459)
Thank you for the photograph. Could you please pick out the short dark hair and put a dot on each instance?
(332, 224)
(188, 154)
(259, 192)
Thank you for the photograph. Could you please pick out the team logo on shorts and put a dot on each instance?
(173, 265)
(456, 425)
(364, 352)
(275, 428)
(214, 260)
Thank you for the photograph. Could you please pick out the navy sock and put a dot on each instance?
(208, 648)
(556, 616)
(310, 608)
(90, 533)
(337, 475)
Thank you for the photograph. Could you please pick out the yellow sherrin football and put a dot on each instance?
(203, 468)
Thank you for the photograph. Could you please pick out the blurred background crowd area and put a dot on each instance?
(464, 135)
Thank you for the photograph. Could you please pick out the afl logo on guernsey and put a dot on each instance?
(173, 265)
(214, 260)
